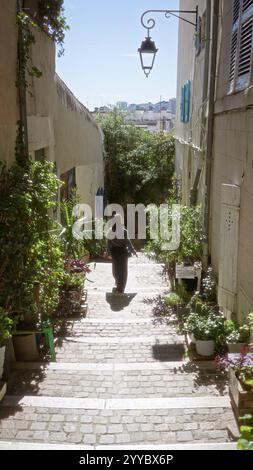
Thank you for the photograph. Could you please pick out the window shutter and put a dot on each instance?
(246, 4)
(233, 56)
(187, 101)
(183, 104)
(236, 11)
(245, 48)
(241, 45)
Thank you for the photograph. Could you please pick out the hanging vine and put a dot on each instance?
(50, 18)
(27, 39)
(51, 14)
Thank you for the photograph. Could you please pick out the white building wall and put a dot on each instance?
(190, 137)
(233, 164)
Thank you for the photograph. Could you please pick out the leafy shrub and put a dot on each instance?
(190, 249)
(209, 286)
(6, 327)
(30, 251)
(139, 166)
(173, 300)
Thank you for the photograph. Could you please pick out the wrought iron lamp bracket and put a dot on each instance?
(150, 23)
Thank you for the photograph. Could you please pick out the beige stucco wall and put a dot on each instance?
(79, 143)
(41, 96)
(57, 122)
(233, 164)
(9, 111)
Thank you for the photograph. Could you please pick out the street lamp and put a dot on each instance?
(148, 49)
(147, 53)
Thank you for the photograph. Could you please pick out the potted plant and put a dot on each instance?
(76, 271)
(240, 368)
(176, 303)
(6, 327)
(206, 329)
(237, 336)
(189, 326)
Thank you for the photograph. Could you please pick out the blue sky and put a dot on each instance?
(101, 65)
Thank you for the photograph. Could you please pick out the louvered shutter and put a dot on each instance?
(245, 53)
(236, 11)
(241, 45)
(183, 104)
(233, 56)
(187, 101)
(246, 4)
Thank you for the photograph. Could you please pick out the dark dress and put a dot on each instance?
(120, 250)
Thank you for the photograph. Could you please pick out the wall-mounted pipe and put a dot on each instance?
(21, 85)
(210, 126)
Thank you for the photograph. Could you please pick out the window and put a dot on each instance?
(185, 102)
(39, 155)
(69, 180)
(241, 45)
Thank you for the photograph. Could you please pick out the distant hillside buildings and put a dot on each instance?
(155, 118)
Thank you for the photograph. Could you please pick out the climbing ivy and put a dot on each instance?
(51, 14)
(27, 39)
(51, 19)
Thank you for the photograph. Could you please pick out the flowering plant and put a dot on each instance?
(241, 363)
(75, 266)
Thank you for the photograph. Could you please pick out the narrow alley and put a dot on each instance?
(122, 378)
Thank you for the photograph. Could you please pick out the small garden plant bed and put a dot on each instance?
(241, 397)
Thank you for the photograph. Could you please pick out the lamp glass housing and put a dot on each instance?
(147, 53)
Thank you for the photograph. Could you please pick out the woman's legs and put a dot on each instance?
(120, 268)
(123, 273)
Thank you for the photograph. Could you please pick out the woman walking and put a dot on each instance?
(119, 249)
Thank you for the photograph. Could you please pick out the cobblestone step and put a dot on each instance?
(121, 329)
(186, 380)
(147, 276)
(72, 351)
(145, 303)
(114, 427)
(120, 381)
(78, 447)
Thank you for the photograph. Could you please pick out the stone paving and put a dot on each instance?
(118, 353)
(114, 427)
(184, 381)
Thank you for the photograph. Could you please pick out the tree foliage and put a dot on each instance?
(139, 165)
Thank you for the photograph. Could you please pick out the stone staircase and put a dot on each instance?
(122, 380)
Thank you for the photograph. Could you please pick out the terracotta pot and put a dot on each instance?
(25, 348)
(205, 348)
(235, 348)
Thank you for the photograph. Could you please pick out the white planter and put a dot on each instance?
(235, 348)
(205, 348)
(2, 356)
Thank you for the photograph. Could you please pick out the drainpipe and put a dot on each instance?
(207, 54)
(210, 126)
(22, 87)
